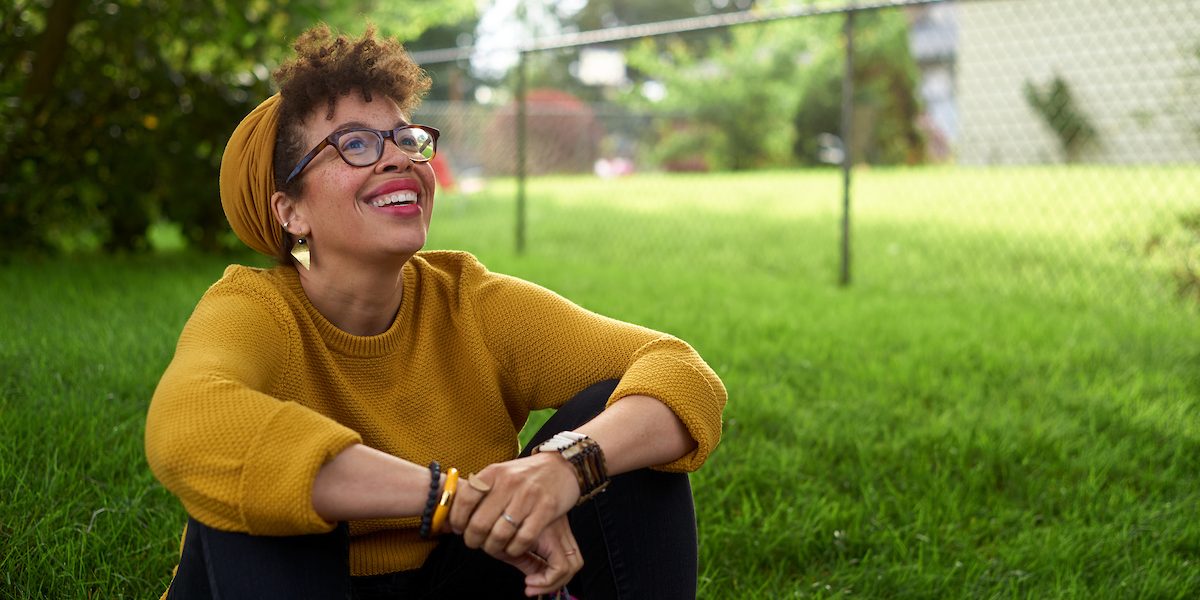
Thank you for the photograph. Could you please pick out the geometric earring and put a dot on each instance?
(301, 254)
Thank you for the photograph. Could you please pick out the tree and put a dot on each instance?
(885, 103)
(762, 95)
(115, 113)
(556, 68)
(598, 14)
(729, 101)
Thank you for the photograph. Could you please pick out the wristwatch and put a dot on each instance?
(585, 456)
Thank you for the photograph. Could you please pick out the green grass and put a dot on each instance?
(1003, 404)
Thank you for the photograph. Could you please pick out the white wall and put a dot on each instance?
(1132, 65)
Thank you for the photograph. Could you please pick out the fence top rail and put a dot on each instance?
(633, 32)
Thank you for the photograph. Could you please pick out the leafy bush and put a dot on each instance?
(1179, 251)
(127, 128)
(114, 115)
(728, 100)
(732, 97)
(886, 106)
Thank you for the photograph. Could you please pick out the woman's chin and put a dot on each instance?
(409, 247)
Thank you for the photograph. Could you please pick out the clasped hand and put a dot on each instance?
(519, 506)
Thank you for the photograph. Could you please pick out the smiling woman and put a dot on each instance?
(306, 415)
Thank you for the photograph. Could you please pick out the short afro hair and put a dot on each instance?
(327, 67)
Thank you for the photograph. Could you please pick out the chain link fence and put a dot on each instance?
(1049, 143)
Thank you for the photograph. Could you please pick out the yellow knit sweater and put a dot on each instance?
(263, 390)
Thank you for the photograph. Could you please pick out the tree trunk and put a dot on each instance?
(52, 47)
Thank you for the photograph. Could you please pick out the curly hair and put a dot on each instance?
(327, 67)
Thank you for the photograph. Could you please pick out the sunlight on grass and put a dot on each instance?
(1002, 404)
(761, 195)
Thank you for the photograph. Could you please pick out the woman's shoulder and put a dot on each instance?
(243, 280)
(244, 316)
(446, 261)
(461, 276)
(251, 288)
(449, 268)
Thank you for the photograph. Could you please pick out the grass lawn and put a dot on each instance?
(1003, 404)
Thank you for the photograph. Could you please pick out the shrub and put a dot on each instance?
(1178, 252)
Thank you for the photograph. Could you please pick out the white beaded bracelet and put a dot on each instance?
(585, 456)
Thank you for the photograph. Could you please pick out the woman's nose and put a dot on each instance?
(393, 159)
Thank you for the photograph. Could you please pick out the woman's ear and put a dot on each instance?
(286, 213)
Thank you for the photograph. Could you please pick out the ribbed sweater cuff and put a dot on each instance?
(276, 495)
(687, 392)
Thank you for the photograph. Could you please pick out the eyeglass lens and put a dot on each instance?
(363, 147)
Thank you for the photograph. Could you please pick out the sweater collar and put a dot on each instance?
(357, 345)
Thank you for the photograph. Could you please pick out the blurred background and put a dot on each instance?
(945, 255)
(114, 114)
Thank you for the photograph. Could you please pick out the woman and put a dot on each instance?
(310, 408)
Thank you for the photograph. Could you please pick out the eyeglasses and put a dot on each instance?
(363, 146)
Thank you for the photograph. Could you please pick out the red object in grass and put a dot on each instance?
(441, 169)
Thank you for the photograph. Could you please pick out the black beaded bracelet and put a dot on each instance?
(435, 477)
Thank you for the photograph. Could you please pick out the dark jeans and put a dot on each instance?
(638, 540)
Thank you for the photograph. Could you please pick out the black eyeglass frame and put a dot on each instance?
(382, 134)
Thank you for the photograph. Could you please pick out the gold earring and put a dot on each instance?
(301, 254)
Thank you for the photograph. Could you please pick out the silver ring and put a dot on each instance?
(511, 521)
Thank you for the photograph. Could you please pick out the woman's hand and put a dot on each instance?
(504, 508)
(553, 560)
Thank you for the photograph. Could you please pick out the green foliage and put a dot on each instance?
(736, 92)
(553, 69)
(452, 81)
(598, 14)
(885, 100)
(729, 100)
(1177, 249)
(128, 127)
(1062, 114)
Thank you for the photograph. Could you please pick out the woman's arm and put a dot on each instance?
(665, 411)
(635, 432)
(237, 457)
(364, 483)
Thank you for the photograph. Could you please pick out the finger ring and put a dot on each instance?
(511, 521)
(478, 485)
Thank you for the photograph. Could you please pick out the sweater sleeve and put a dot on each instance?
(238, 458)
(550, 348)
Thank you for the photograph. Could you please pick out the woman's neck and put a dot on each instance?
(361, 299)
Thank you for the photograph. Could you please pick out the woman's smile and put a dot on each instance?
(399, 197)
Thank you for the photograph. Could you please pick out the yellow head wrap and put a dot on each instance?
(248, 179)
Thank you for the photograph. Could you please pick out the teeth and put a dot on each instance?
(398, 198)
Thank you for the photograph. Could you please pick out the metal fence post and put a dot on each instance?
(521, 143)
(847, 144)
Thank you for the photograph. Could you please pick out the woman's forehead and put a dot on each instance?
(352, 110)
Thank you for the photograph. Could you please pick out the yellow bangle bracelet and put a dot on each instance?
(443, 508)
